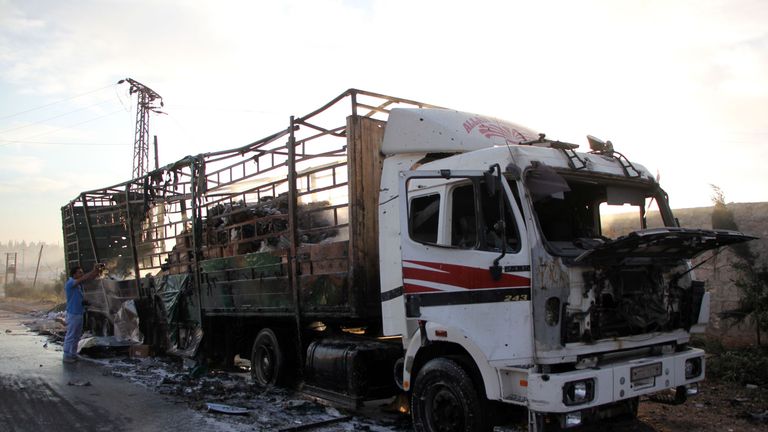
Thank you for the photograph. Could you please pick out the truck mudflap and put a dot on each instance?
(607, 385)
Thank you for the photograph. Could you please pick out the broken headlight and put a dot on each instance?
(693, 367)
(579, 392)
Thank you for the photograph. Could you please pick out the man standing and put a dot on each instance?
(75, 309)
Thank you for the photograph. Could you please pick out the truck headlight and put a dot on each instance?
(693, 367)
(579, 392)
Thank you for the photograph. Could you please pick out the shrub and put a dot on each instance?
(17, 289)
(743, 366)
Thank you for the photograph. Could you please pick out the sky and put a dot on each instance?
(678, 86)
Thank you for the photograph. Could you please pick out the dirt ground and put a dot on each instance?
(719, 406)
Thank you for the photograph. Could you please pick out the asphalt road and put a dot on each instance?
(40, 393)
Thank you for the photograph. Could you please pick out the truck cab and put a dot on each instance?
(521, 271)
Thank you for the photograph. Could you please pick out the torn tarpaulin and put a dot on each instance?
(126, 329)
(126, 322)
(184, 330)
(103, 344)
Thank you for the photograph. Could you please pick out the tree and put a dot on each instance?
(752, 275)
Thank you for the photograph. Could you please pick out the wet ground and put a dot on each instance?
(112, 392)
(40, 393)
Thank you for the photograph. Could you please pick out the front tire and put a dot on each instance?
(267, 359)
(445, 399)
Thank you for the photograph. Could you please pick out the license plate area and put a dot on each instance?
(643, 373)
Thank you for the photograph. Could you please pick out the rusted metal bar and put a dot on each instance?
(90, 228)
(294, 240)
(326, 106)
(244, 162)
(394, 99)
(274, 167)
(323, 189)
(132, 239)
(248, 147)
(323, 229)
(375, 109)
(195, 221)
(341, 152)
(258, 189)
(76, 241)
(226, 154)
(334, 132)
(329, 167)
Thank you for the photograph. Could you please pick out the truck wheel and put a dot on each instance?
(445, 399)
(266, 359)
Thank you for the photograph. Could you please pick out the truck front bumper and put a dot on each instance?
(613, 383)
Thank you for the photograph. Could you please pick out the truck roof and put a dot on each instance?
(490, 140)
(419, 130)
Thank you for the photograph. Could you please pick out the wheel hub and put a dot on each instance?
(445, 413)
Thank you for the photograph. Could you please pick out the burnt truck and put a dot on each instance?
(380, 246)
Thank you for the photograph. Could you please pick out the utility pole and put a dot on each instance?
(146, 103)
(157, 156)
(37, 269)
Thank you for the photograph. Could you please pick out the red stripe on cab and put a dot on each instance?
(462, 276)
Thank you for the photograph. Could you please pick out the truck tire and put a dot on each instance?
(267, 359)
(445, 399)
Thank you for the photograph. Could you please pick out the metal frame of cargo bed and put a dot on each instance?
(201, 208)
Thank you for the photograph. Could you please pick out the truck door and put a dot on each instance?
(466, 261)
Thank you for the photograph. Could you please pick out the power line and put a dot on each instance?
(63, 143)
(54, 103)
(61, 128)
(146, 103)
(54, 117)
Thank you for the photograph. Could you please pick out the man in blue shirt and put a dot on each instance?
(75, 309)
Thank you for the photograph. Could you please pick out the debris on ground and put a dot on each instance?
(759, 417)
(720, 406)
(226, 409)
(79, 383)
(103, 346)
(314, 425)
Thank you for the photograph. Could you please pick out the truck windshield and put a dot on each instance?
(578, 212)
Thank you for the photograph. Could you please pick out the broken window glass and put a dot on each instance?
(485, 232)
(578, 212)
(424, 218)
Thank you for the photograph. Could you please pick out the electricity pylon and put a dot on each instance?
(146, 103)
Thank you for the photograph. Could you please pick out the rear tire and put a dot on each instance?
(445, 399)
(267, 359)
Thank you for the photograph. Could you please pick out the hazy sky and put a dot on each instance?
(679, 86)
